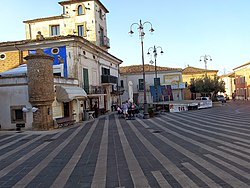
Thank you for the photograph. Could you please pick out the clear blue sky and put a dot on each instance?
(185, 29)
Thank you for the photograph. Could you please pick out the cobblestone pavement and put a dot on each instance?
(201, 148)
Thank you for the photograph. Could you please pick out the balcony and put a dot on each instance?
(108, 79)
(117, 90)
(97, 90)
(104, 42)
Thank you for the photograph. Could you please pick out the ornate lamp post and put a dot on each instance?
(205, 59)
(156, 81)
(141, 35)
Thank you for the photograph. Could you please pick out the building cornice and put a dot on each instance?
(28, 44)
(44, 19)
(248, 63)
(81, 1)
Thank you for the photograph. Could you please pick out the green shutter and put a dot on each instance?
(86, 80)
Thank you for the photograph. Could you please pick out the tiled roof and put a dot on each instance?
(194, 70)
(43, 19)
(147, 68)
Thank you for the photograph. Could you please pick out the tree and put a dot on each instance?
(207, 86)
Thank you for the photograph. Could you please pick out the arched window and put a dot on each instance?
(80, 10)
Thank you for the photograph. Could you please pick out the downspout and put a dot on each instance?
(20, 55)
(30, 31)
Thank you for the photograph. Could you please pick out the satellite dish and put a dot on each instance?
(151, 62)
(24, 109)
(34, 109)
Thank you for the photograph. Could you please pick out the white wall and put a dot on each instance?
(149, 78)
(14, 96)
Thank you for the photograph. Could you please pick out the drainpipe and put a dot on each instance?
(30, 31)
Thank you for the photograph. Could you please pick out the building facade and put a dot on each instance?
(242, 81)
(170, 78)
(85, 18)
(189, 73)
(229, 84)
(80, 60)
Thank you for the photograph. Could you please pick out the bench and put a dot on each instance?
(64, 121)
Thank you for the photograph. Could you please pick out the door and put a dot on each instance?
(66, 109)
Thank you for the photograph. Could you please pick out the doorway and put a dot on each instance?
(66, 109)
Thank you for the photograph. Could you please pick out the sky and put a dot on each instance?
(186, 30)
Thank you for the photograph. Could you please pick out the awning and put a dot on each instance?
(68, 93)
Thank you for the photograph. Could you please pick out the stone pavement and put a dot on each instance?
(201, 148)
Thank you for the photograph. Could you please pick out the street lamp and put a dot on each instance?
(156, 80)
(205, 59)
(141, 35)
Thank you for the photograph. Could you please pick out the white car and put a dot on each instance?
(204, 102)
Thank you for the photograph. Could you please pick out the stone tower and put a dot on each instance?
(41, 88)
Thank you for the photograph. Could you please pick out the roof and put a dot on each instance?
(80, 1)
(147, 68)
(194, 70)
(44, 19)
(22, 69)
(245, 64)
(231, 74)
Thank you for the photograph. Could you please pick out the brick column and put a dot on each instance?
(41, 88)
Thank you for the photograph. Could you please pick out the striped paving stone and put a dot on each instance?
(203, 148)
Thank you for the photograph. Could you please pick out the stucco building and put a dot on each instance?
(168, 77)
(189, 73)
(229, 80)
(77, 39)
(242, 81)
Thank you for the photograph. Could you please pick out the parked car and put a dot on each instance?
(202, 98)
(221, 98)
(204, 102)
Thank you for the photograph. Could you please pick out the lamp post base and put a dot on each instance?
(145, 114)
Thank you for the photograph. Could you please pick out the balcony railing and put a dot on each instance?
(108, 79)
(117, 90)
(95, 90)
(104, 41)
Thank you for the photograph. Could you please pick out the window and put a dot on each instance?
(55, 30)
(105, 71)
(122, 84)
(2, 56)
(101, 36)
(141, 85)
(17, 115)
(85, 80)
(55, 50)
(79, 10)
(100, 14)
(80, 30)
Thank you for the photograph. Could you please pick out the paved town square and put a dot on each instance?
(199, 148)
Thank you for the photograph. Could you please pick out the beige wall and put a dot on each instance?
(69, 22)
(187, 77)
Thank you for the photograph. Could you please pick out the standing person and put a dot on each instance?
(125, 109)
(96, 109)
